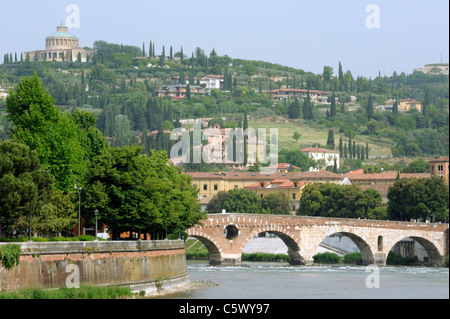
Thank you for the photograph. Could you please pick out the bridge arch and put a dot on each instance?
(291, 241)
(434, 255)
(367, 253)
(214, 248)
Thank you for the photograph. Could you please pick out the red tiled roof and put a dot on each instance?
(298, 90)
(318, 150)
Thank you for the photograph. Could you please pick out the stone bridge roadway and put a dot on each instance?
(225, 236)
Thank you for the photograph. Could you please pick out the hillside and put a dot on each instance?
(120, 86)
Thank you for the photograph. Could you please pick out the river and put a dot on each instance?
(258, 280)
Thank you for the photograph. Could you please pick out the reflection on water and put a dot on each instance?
(282, 281)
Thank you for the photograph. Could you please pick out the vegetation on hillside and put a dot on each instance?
(120, 87)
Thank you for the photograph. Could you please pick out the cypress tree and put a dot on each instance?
(294, 109)
(333, 106)
(350, 153)
(367, 150)
(245, 137)
(345, 150)
(354, 149)
(307, 108)
(341, 148)
(330, 140)
(395, 107)
(369, 108)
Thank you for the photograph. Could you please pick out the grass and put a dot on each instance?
(314, 133)
(84, 292)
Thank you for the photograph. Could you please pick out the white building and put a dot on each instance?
(317, 154)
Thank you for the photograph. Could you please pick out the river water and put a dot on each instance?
(253, 280)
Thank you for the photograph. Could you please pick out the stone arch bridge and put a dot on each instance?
(225, 236)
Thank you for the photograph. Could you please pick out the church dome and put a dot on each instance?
(61, 40)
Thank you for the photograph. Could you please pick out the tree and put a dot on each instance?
(139, 193)
(330, 139)
(215, 205)
(421, 199)
(395, 107)
(296, 136)
(294, 109)
(242, 201)
(344, 201)
(296, 158)
(369, 109)
(52, 134)
(419, 165)
(276, 204)
(333, 106)
(307, 108)
(25, 187)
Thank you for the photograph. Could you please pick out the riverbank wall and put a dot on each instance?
(140, 265)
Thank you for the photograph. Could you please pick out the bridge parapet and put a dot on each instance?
(225, 235)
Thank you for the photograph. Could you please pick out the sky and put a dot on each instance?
(367, 37)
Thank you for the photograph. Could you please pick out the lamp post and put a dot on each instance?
(79, 205)
(96, 216)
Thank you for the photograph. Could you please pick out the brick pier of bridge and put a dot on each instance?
(226, 235)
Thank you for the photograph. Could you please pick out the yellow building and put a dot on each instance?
(292, 190)
(209, 184)
(408, 104)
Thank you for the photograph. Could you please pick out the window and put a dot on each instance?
(216, 187)
(261, 195)
(205, 187)
(293, 196)
(380, 243)
(236, 187)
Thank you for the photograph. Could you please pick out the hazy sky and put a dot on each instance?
(301, 34)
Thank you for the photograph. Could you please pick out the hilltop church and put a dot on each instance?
(61, 46)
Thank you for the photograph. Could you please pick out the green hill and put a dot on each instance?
(120, 88)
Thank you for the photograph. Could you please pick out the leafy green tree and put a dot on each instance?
(418, 199)
(25, 186)
(139, 193)
(296, 158)
(242, 201)
(296, 136)
(215, 205)
(419, 165)
(347, 201)
(277, 204)
(52, 134)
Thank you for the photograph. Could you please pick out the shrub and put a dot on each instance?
(327, 258)
(10, 255)
(265, 257)
(352, 258)
(394, 259)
